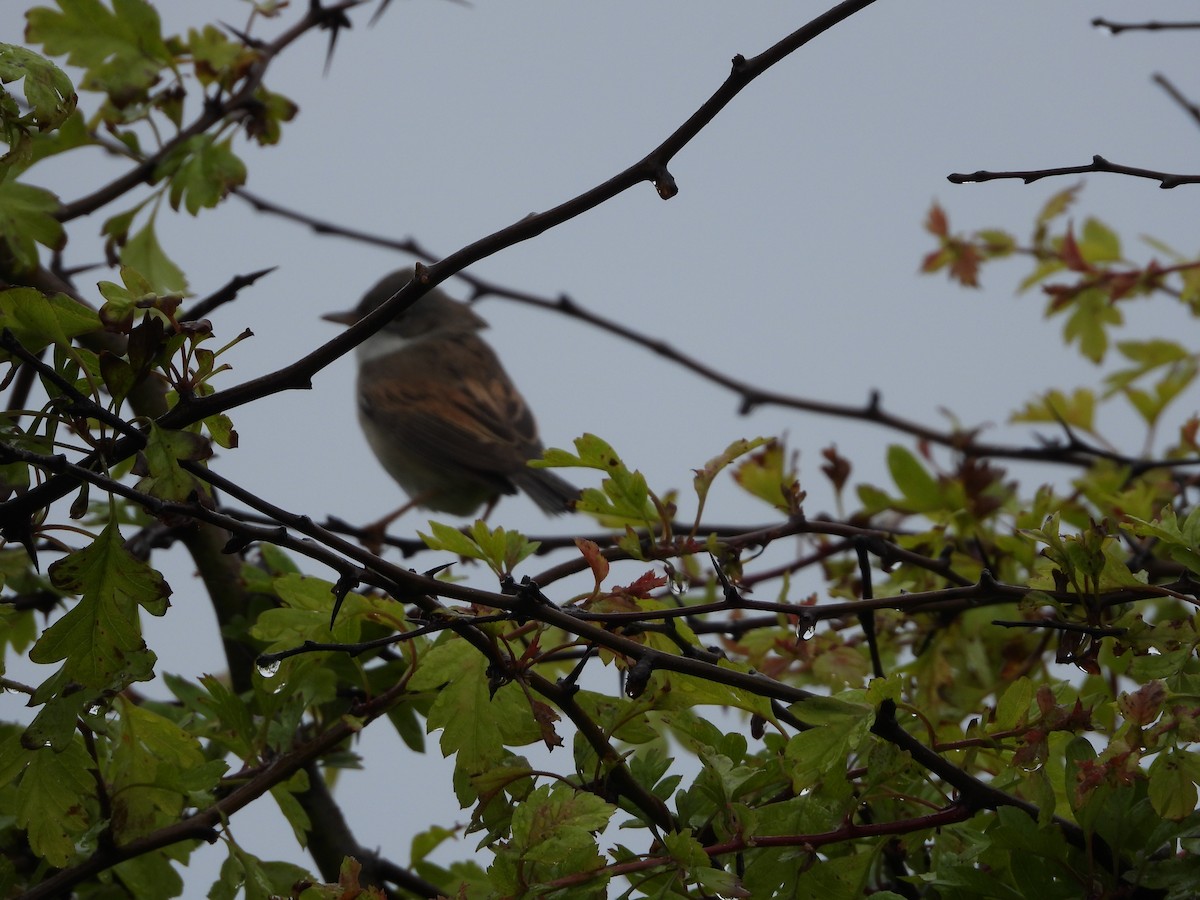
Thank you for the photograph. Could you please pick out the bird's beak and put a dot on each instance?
(349, 317)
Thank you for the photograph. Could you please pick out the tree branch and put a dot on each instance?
(1165, 180)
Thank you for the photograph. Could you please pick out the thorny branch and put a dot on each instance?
(607, 630)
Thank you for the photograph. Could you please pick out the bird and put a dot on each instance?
(441, 414)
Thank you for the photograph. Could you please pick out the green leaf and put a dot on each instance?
(919, 489)
(155, 769)
(52, 801)
(1148, 356)
(118, 376)
(121, 50)
(49, 93)
(553, 835)
(217, 58)
(159, 462)
(704, 477)
(1180, 540)
(1091, 313)
(686, 691)
(37, 319)
(220, 428)
(1098, 242)
(770, 476)
(623, 498)
(1055, 407)
(201, 171)
(996, 244)
(62, 705)
(285, 796)
(1173, 779)
(502, 550)
(145, 255)
(1043, 270)
(124, 301)
(152, 874)
(475, 724)
(819, 755)
(100, 638)
(1059, 203)
(305, 616)
(26, 220)
(265, 124)
(227, 718)
(1012, 710)
(245, 875)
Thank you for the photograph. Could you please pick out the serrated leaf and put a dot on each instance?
(220, 427)
(217, 58)
(1180, 540)
(37, 319)
(154, 769)
(820, 754)
(1155, 352)
(48, 801)
(768, 475)
(100, 637)
(553, 834)
(121, 49)
(687, 691)
(48, 91)
(271, 110)
(26, 220)
(1173, 778)
(227, 718)
(623, 497)
(1055, 407)
(159, 462)
(451, 540)
(202, 171)
(551, 811)
(1091, 314)
(475, 724)
(305, 614)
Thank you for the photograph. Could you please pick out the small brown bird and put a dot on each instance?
(440, 412)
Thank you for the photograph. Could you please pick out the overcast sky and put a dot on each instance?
(789, 257)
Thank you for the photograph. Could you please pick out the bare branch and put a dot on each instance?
(1166, 180)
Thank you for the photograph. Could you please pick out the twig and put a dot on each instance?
(1165, 180)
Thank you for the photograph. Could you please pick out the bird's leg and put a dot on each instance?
(373, 534)
(487, 510)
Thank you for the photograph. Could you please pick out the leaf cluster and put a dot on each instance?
(963, 685)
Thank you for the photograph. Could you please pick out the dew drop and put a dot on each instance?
(808, 632)
(678, 587)
(268, 669)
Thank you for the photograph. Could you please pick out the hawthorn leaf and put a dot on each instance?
(100, 637)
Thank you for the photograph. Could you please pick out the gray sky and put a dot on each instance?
(789, 257)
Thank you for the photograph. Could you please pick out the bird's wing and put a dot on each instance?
(452, 410)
